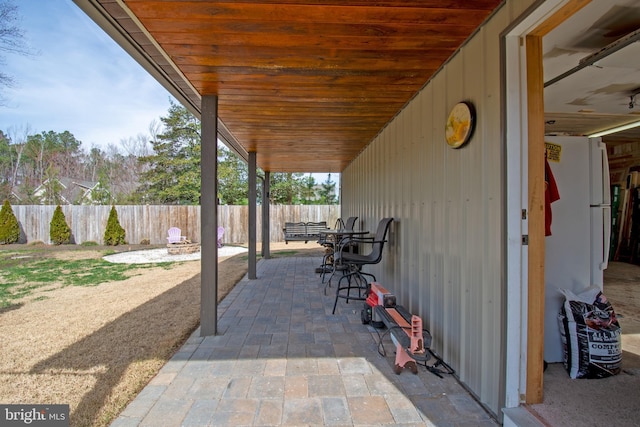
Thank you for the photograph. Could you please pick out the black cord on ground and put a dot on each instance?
(434, 369)
(439, 362)
(382, 353)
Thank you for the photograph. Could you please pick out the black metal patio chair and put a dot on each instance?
(352, 264)
(328, 265)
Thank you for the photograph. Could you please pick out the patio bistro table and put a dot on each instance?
(338, 235)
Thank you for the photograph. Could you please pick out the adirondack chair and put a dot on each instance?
(220, 234)
(175, 235)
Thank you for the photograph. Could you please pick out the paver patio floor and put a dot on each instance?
(282, 359)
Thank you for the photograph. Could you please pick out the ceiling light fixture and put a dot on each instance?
(616, 129)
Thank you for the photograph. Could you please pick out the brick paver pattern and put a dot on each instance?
(280, 358)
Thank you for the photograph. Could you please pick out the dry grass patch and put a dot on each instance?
(95, 347)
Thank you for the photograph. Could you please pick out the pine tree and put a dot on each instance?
(114, 234)
(9, 227)
(59, 231)
(286, 188)
(233, 177)
(327, 192)
(173, 175)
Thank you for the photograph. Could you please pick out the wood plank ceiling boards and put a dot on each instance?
(306, 85)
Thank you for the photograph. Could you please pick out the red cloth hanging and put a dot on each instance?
(551, 194)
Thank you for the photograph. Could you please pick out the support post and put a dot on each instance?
(535, 296)
(253, 202)
(266, 208)
(209, 217)
(536, 184)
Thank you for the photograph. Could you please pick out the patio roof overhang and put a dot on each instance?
(304, 84)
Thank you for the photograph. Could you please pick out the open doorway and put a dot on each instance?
(591, 76)
(526, 114)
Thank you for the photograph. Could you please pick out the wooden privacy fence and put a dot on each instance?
(142, 222)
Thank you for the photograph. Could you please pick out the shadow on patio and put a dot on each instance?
(281, 358)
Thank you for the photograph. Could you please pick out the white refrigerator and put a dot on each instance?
(577, 251)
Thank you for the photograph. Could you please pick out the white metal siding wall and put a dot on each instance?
(445, 259)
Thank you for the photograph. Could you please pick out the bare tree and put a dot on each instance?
(136, 146)
(11, 40)
(18, 137)
(155, 129)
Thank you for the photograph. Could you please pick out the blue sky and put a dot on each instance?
(77, 80)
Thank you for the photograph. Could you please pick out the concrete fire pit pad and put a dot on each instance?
(161, 255)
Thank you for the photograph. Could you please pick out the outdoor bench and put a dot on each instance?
(303, 231)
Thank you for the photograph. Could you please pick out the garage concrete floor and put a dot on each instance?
(611, 401)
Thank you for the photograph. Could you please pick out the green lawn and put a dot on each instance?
(24, 271)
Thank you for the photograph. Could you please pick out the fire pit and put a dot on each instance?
(182, 248)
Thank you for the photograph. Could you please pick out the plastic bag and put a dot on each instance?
(591, 335)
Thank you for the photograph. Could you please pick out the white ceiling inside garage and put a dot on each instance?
(592, 71)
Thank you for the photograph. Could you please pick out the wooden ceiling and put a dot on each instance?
(305, 84)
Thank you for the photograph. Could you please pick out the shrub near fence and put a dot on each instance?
(151, 222)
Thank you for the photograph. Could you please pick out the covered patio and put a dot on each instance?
(282, 358)
(366, 90)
